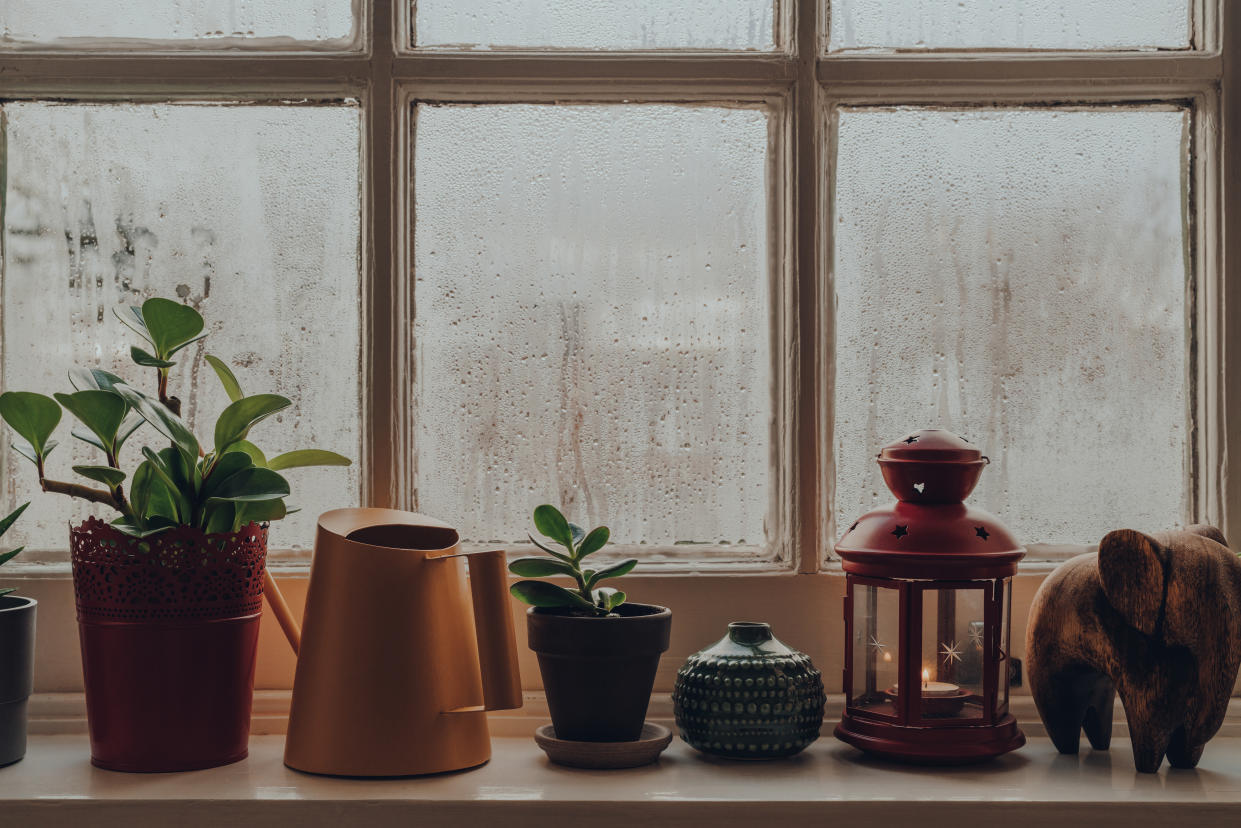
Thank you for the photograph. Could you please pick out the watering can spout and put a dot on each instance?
(280, 609)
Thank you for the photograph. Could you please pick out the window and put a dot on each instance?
(682, 267)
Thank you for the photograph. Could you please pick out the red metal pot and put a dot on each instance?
(169, 630)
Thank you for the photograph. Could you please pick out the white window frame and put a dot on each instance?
(803, 85)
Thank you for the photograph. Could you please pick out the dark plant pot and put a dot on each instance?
(169, 629)
(17, 617)
(598, 672)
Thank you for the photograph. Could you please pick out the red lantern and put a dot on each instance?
(927, 612)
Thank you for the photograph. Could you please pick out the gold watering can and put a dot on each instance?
(395, 673)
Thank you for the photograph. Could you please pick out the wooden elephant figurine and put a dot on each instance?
(1156, 618)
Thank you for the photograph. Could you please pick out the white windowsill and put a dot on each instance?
(830, 784)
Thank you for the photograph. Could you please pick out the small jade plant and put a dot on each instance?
(5, 557)
(587, 598)
(178, 482)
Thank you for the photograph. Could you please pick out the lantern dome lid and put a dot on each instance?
(932, 444)
(930, 532)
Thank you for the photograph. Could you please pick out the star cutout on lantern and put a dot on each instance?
(912, 438)
(950, 651)
(976, 636)
(900, 531)
(876, 644)
(981, 532)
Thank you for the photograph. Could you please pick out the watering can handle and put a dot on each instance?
(493, 623)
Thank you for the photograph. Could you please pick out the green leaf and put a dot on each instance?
(106, 475)
(100, 411)
(615, 571)
(229, 464)
(307, 457)
(227, 378)
(26, 450)
(128, 427)
(256, 454)
(87, 437)
(146, 360)
(142, 532)
(93, 379)
(5, 557)
(131, 317)
(551, 523)
(163, 420)
(608, 599)
(33, 416)
(11, 517)
(150, 496)
(262, 511)
(253, 484)
(236, 421)
(595, 541)
(171, 325)
(560, 555)
(159, 465)
(577, 532)
(7, 590)
(220, 517)
(540, 567)
(543, 594)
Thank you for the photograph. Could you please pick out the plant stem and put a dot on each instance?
(83, 492)
(171, 403)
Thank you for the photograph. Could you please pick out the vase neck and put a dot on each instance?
(749, 633)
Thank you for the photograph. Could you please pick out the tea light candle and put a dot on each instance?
(931, 689)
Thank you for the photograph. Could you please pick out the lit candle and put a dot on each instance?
(931, 689)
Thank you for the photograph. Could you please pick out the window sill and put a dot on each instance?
(828, 784)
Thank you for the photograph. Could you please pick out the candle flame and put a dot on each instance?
(926, 677)
(887, 656)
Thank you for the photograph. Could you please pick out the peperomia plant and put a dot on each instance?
(221, 488)
(588, 598)
(5, 557)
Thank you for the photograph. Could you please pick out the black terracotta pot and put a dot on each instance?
(16, 673)
(598, 672)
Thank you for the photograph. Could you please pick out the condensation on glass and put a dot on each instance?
(596, 24)
(593, 326)
(249, 213)
(1018, 276)
(1010, 24)
(193, 23)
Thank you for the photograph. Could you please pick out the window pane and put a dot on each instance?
(200, 23)
(593, 324)
(596, 24)
(1025, 24)
(250, 213)
(1019, 277)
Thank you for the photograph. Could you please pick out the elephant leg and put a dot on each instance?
(1148, 732)
(1181, 754)
(1098, 720)
(1065, 702)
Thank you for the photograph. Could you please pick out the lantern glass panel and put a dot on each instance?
(1004, 664)
(953, 650)
(876, 650)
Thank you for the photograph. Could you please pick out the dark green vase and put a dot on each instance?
(749, 696)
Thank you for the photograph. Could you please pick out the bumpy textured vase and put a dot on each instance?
(749, 696)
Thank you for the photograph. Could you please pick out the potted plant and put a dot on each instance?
(597, 650)
(169, 593)
(16, 659)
